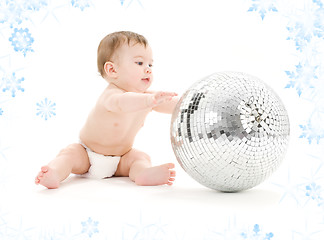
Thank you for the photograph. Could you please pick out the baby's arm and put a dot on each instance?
(167, 106)
(132, 102)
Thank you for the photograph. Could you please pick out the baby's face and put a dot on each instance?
(134, 67)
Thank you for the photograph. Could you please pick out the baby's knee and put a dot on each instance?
(137, 156)
(72, 150)
(143, 155)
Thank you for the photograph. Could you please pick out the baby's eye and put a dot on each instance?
(139, 63)
(150, 65)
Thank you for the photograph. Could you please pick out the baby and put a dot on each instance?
(106, 140)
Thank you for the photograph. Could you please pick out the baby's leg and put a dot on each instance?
(73, 159)
(137, 165)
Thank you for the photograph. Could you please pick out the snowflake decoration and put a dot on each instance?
(22, 40)
(46, 109)
(35, 5)
(306, 29)
(289, 189)
(306, 24)
(122, 2)
(138, 232)
(14, 12)
(141, 230)
(314, 129)
(231, 232)
(90, 227)
(12, 84)
(306, 233)
(319, 3)
(20, 232)
(314, 192)
(309, 133)
(301, 78)
(310, 52)
(256, 234)
(1, 111)
(64, 234)
(263, 6)
(82, 4)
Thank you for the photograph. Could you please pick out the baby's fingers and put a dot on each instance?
(161, 97)
(171, 94)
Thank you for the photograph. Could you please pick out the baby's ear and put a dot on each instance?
(110, 69)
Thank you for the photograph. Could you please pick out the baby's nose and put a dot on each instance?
(148, 70)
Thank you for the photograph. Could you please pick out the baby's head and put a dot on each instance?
(110, 44)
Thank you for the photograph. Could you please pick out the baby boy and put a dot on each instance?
(106, 140)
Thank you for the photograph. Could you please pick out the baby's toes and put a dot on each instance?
(172, 173)
(40, 175)
(44, 169)
(38, 178)
(170, 183)
(170, 165)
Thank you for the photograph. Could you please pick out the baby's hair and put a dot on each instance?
(112, 42)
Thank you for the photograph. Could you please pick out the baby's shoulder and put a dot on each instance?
(107, 94)
(111, 91)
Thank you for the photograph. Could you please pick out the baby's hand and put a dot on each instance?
(158, 98)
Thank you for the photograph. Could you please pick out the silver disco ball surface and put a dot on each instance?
(230, 131)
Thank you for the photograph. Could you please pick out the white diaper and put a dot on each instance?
(101, 166)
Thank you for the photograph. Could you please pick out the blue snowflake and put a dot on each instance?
(21, 232)
(64, 234)
(122, 2)
(14, 12)
(82, 4)
(141, 230)
(90, 227)
(35, 5)
(11, 12)
(305, 233)
(256, 234)
(307, 24)
(263, 6)
(231, 232)
(1, 111)
(314, 192)
(302, 77)
(319, 3)
(314, 129)
(22, 40)
(46, 109)
(12, 83)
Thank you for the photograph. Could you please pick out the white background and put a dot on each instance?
(190, 40)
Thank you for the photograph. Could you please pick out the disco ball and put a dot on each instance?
(230, 131)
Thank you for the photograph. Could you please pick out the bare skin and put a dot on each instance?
(114, 122)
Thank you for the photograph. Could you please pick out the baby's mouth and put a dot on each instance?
(146, 79)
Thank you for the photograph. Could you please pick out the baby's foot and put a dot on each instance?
(48, 178)
(158, 175)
